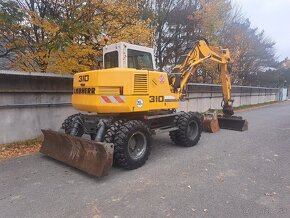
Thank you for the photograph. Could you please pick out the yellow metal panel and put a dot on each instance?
(140, 83)
(120, 90)
(108, 90)
(160, 95)
(114, 77)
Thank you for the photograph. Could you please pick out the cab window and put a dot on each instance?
(111, 59)
(139, 59)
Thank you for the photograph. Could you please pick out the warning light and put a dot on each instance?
(106, 38)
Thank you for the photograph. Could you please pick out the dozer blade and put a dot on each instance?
(93, 157)
(233, 123)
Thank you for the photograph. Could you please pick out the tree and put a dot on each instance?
(178, 23)
(65, 36)
(210, 19)
(272, 77)
(251, 50)
(160, 12)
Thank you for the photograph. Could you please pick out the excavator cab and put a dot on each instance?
(126, 55)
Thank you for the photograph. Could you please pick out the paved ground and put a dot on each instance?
(228, 174)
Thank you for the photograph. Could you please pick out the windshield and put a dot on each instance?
(111, 59)
(139, 59)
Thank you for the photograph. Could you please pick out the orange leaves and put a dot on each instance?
(66, 36)
(45, 24)
(122, 22)
(74, 58)
(17, 149)
(211, 18)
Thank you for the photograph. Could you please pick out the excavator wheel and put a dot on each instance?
(173, 134)
(111, 133)
(189, 129)
(67, 123)
(132, 144)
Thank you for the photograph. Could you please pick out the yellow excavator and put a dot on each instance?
(127, 102)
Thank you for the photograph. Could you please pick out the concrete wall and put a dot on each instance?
(201, 97)
(30, 102)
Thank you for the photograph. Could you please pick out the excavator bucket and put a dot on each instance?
(233, 123)
(211, 125)
(210, 121)
(93, 157)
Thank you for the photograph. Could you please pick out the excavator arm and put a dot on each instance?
(199, 52)
(196, 54)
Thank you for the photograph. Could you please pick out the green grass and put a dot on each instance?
(254, 105)
(244, 107)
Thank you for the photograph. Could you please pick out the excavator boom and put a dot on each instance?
(199, 52)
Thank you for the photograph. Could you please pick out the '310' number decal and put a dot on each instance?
(84, 78)
(156, 99)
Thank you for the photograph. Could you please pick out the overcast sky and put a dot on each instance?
(273, 16)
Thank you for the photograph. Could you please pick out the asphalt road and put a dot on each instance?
(228, 174)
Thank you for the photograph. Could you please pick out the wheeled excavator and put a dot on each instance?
(127, 102)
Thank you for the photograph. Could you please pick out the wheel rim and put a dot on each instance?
(137, 145)
(192, 130)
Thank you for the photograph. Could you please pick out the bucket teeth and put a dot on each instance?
(93, 157)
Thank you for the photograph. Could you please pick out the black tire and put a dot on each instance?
(173, 134)
(189, 129)
(132, 132)
(111, 133)
(113, 129)
(200, 117)
(67, 123)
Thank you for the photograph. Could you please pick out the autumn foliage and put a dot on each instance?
(180, 22)
(66, 36)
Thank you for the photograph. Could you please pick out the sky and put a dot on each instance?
(272, 16)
